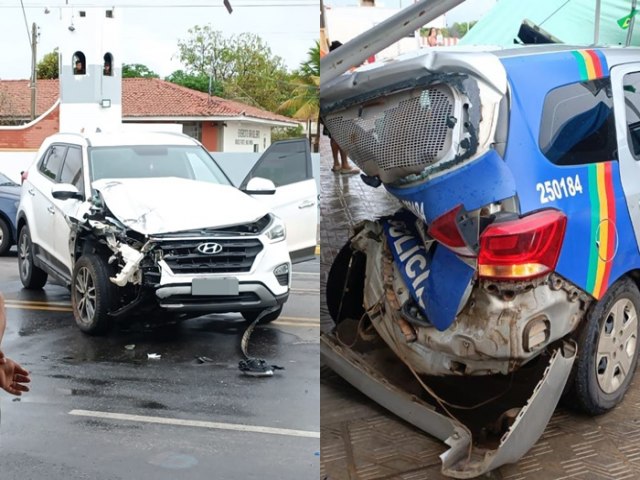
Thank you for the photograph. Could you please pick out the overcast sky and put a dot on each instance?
(151, 34)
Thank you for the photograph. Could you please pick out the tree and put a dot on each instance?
(48, 67)
(137, 70)
(243, 64)
(304, 104)
(196, 82)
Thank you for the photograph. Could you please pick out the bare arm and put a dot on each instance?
(13, 378)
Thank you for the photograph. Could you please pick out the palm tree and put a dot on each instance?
(305, 102)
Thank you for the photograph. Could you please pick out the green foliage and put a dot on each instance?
(137, 70)
(198, 82)
(284, 133)
(48, 67)
(304, 103)
(243, 65)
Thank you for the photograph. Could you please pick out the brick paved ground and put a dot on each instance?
(360, 440)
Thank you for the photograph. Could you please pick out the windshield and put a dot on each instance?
(146, 161)
(4, 180)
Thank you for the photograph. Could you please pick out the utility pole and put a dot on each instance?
(34, 43)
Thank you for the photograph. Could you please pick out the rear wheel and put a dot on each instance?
(5, 237)
(608, 350)
(251, 315)
(31, 276)
(92, 294)
(345, 284)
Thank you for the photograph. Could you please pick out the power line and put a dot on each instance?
(26, 24)
(167, 5)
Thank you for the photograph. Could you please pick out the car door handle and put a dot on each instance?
(51, 210)
(32, 192)
(306, 204)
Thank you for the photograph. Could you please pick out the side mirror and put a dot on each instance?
(260, 186)
(65, 191)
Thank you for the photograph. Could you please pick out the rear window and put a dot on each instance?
(578, 124)
(148, 161)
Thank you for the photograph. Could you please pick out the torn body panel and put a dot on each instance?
(498, 328)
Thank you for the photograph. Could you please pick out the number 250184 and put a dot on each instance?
(557, 189)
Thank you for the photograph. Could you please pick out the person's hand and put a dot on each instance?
(13, 378)
(3, 359)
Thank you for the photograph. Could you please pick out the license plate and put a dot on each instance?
(214, 286)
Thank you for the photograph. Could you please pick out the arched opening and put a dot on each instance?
(107, 69)
(79, 64)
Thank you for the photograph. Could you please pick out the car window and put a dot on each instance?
(284, 163)
(148, 161)
(631, 86)
(50, 166)
(578, 124)
(72, 168)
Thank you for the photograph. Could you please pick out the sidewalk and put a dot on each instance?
(362, 441)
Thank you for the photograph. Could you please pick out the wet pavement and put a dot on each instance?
(361, 440)
(98, 410)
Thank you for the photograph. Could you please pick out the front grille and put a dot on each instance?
(397, 135)
(243, 297)
(237, 255)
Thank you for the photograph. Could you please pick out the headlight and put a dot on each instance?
(277, 232)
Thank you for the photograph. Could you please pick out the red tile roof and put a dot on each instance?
(141, 98)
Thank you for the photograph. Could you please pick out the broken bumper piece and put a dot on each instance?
(480, 440)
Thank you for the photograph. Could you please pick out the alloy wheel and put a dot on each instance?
(617, 345)
(85, 292)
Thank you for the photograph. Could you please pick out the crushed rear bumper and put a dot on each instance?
(373, 368)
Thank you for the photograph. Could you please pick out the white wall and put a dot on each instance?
(240, 136)
(12, 163)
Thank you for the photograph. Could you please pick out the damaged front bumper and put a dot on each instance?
(501, 437)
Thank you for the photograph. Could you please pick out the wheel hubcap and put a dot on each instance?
(85, 293)
(24, 257)
(617, 345)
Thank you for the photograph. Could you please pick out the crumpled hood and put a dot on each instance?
(163, 205)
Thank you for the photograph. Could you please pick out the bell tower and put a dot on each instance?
(90, 69)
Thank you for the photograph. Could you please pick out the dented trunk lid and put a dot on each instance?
(154, 206)
(430, 127)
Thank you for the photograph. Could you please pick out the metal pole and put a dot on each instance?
(596, 24)
(632, 23)
(34, 43)
(376, 39)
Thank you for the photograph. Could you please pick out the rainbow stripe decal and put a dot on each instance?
(603, 238)
(591, 64)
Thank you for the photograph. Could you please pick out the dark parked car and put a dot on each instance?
(9, 199)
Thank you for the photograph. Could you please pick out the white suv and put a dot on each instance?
(131, 223)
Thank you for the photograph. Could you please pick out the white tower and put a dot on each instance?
(90, 69)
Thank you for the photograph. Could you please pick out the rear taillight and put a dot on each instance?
(444, 230)
(521, 249)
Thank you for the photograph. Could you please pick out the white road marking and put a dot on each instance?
(196, 423)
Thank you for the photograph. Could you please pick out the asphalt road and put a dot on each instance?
(98, 410)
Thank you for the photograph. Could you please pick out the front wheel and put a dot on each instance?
(251, 315)
(92, 294)
(32, 277)
(607, 350)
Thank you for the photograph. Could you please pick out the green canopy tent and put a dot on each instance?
(566, 21)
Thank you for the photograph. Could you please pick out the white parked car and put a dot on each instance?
(150, 222)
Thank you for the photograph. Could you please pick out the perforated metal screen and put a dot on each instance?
(396, 135)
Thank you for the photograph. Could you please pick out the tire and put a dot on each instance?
(607, 346)
(345, 296)
(92, 294)
(32, 277)
(5, 237)
(251, 315)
